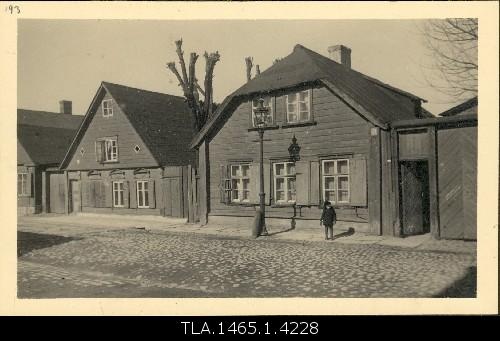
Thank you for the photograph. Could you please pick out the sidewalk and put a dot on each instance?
(73, 225)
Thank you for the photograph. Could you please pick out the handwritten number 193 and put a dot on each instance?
(12, 9)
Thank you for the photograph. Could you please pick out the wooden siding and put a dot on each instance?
(457, 169)
(118, 125)
(97, 198)
(338, 130)
(413, 144)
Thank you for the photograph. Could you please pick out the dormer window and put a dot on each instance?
(298, 107)
(107, 108)
(268, 103)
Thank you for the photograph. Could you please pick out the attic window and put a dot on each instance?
(137, 148)
(82, 151)
(107, 108)
(298, 107)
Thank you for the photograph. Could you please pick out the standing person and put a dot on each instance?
(328, 219)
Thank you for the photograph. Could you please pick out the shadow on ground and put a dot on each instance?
(347, 233)
(29, 241)
(465, 287)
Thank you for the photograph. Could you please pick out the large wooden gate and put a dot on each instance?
(457, 160)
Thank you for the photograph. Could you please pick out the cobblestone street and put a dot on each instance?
(135, 263)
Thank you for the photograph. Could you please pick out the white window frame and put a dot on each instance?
(297, 111)
(117, 190)
(24, 184)
(107, 108)
(111, 149)
(269, 105)
(239, 180)
(336, 175)
(143, 193)
(285, 176)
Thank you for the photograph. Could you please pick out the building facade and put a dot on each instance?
(351, 152)
(42, 140)
(131, 154)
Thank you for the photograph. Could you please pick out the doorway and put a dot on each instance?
(75, 199)
(414, 197)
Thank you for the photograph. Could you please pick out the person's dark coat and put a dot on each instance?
(329, 216)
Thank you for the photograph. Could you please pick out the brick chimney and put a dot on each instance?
(341, 54)
(65, 107)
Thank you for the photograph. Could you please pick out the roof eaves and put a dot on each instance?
(76, 138)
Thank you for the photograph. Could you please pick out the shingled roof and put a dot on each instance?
(45, 136)
(378, 102)
(163, 121)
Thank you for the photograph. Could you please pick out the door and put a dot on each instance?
(414, 194)
(172, 197)
(75, 199)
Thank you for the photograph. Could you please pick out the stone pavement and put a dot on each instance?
(72, 225)
(108, 258)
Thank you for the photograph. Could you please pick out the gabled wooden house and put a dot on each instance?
(42, 141)
(131, 154)
(350, 152)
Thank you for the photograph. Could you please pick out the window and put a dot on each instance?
(107, 149)
(240, 183)
(107, 108)
(268, 103)
(142, 194)
(336, 181)
(118, 194)
(284, 182)
(22, 184)
(298, 107)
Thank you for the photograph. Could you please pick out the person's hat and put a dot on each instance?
(327, 203)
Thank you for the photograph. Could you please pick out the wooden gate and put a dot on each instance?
(457, 160)
(172, 197)
(57, 193)
(75, 196)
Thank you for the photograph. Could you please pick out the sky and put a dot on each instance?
(68, 59)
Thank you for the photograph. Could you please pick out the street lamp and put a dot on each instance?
(262, 116)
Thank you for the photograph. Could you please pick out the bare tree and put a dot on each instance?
(452, 44)
(201, 110)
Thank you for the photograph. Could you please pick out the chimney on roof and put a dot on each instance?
(65, 107)
(341, 54)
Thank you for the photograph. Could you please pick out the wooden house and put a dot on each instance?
(351, 152)
(131, 154)
(42, 141)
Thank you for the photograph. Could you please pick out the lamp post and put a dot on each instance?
(261, 118)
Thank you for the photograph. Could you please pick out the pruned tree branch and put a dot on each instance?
(201, 110)
(249, 66)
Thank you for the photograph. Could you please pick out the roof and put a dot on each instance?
(45, 136)
(377, 101)
(164, 122)
(467, 107)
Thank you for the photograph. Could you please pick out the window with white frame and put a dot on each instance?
(335, 183)
(107, 108)
(118, 193)
(240, 183)
(284, 182)
(268, 103)
(22, 184)
(106, 149)
(298, 107)
(142, 194)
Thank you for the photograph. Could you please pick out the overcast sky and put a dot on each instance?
(67, 59)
